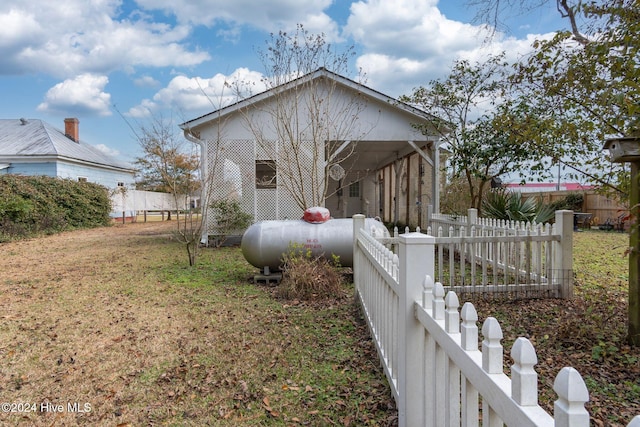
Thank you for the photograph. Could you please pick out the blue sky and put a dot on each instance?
(112, 63)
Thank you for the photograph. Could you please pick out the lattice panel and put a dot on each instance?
(306, 180)
(288, 209)
(266, 206)
(264, 150)
(235, 175)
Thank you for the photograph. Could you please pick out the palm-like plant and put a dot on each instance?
(508, 205)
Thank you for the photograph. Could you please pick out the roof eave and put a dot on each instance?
(321, 72)
(49, 157)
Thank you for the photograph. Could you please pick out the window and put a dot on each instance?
(265, 174)
(354, 189)
(82, 179)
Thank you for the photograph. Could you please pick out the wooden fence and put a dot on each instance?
(429, 349)
(603, 209)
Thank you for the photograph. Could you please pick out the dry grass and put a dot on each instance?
(113, 318)
(308, 278)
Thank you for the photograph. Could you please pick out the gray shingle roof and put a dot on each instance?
(34, 138)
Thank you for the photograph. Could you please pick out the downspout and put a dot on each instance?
(204, 198)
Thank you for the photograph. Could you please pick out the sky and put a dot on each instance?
(114, 64)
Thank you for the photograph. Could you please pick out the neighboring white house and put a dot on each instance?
(391, 168)
(34, 147)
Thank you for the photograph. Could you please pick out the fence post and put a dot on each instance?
(358, 224)
(416, 253)
(472, 218)
(564, 253)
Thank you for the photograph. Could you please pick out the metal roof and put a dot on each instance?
(33, 138)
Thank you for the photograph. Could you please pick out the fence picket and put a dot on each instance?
(440, 250)
(469, 342)
(451, 317)
(468, 328)
(524, 379)
(491, 347)
(572, 395)
(438, 302)
(451, 253)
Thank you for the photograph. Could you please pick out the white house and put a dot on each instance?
(355, 148)
(34, 147)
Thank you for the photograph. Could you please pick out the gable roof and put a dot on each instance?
(34, 139)
(319, 73)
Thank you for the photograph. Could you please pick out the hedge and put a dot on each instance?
(34, 205)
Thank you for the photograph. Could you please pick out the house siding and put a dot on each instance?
(105, 177)
(46, 169)
(72, 171)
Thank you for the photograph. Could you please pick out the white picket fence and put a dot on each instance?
(482, 255)
(429, 350)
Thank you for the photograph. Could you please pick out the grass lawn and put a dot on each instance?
(113, 322)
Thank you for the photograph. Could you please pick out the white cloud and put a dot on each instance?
(82, 95)
(18, 28)
(197, 94)
(75, 36)
(407, 43)
(146, 81)
(145, 109)
(273, 15)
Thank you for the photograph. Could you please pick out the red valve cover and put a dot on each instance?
(316, 215)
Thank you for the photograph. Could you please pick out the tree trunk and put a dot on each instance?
(634, 259)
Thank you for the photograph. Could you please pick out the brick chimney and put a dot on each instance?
(71, 129)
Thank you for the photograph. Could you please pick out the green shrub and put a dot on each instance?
(15, 208)
(573, 202)
(229, 219)
(32, 205)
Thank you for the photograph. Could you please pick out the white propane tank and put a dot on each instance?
(265, 242)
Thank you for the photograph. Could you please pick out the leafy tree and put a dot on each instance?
(589, 77)
(166, 167)
(485, 145)
(583, 82)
